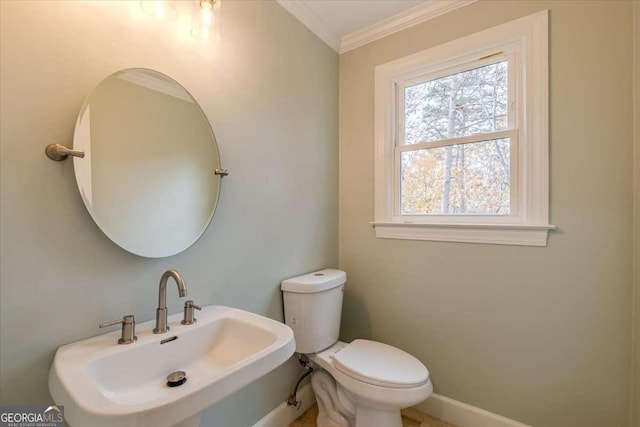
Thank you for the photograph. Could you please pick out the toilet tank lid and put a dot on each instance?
(317, 281)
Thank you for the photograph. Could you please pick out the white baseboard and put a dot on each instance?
(462, 414)
(284, 415)
(441, 407)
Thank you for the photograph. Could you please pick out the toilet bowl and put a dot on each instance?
(373, 381)
(363, 383)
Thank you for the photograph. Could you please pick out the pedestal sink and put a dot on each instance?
(102, 383)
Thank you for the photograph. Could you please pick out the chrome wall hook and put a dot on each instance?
(221, 172)
(59, 152)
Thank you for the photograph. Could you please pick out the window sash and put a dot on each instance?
(471, 64)
(513, 111)
(514, 148)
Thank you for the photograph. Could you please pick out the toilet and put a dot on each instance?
(363, 383)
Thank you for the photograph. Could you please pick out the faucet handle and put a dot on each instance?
(128, 328)
(191, 304)
(189, 318)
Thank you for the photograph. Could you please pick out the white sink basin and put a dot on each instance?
(102, 383)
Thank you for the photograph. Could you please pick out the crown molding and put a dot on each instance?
(305, 15)
(398, 22)
(416, 15)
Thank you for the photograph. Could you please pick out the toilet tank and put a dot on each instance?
(313, 307)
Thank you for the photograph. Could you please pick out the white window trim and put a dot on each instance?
(530, 225)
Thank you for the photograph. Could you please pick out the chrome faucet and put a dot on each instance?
(161, 312)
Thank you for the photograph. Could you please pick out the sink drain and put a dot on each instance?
(177, 378)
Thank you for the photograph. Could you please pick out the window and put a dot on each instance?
(455, 136)
(462, 139)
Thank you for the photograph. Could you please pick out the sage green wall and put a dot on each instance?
(269, 90)
(635, 393)
(540, 335)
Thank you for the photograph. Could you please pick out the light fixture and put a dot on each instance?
(207, 4)
(205, 20)
(160, 9)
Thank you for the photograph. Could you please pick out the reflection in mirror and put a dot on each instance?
(147, 178)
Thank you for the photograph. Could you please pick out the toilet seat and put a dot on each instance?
(380, 364)
(368, 398)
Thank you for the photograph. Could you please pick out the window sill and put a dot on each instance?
(499, 234)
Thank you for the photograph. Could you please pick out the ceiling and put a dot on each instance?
(347, 16)
(347, 24)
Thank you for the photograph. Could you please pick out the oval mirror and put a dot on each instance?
(147, 177)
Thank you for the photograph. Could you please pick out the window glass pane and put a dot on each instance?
(467, 103)
(457, 179)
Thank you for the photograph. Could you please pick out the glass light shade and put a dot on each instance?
(205, 20)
